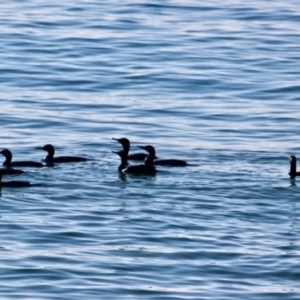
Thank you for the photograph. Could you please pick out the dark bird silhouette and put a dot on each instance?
(293, 167)
(15, 184)
(26, 163)
(162, 162)
(50, 159)
(138, 169)
(10, 171)
(126, 147)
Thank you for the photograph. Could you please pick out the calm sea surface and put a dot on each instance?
(215, 83)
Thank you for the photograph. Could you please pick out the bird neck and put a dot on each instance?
(8, 159)
(7, 163)
(293, 169)
(126, 149)
(150, 158)
(123, 164)
(49, 156)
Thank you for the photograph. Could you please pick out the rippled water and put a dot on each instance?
(214, 83)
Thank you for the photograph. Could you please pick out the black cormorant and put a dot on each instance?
(16, 184)
(50, 159)
(26, 163)
(293, 168)
(162, 162)
(138, 169)
(126, 147)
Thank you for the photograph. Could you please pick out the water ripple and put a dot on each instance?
(213, 83)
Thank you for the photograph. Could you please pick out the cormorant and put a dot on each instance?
(162, 162)
(15, 184)
(50, 159)
(293, 168)
(126, 147)
(8, 161)
(138, 169)
(10, 171)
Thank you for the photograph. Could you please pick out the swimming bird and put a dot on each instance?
(10, 171)
(15, 184)
(50, 159)
(26, 163)
(293, 168)
(162, 162)
(126, 147)
(138, 169)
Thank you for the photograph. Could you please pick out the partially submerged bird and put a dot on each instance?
(126, 147)
(26, 163)
(10, 171)
(138, 169)
(162, 162)
(15, 184)
(50, 159)
(293, 168)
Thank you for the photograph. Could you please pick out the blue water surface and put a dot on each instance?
(215, 83)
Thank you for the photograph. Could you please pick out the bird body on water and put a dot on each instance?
(15, 184)
(10, 171)
(126, 147)
(149, 160)
(26, 163)
(50, 159)
(137, 169)
(293, 167)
